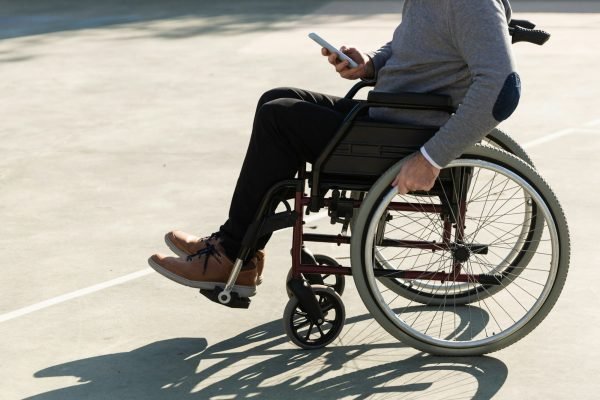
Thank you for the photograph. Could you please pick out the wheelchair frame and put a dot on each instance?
(379, 162)
(316, 202)
(305, 284)
(264, 226)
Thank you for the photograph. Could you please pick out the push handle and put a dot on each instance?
(522, 23)
(535, 36)
(522, 30)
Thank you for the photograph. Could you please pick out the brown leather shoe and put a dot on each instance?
(183, 244)
(206, 271)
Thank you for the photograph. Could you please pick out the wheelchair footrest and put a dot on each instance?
(235, 302)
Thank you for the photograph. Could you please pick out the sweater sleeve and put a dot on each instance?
(380, 56)
(479, 31)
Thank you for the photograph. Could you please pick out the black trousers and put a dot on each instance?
(291, 127)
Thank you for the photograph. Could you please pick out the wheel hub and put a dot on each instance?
(461, 253)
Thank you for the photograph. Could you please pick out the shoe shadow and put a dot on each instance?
(259, 364)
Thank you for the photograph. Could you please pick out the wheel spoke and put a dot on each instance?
(310, 328)
(320, 331)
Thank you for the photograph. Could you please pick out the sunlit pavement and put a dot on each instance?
(119, 123)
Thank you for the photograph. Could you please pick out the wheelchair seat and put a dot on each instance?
(363, 149)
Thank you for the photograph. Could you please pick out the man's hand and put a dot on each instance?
(363, 71)
(416, 174)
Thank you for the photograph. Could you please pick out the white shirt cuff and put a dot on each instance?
(424, 152)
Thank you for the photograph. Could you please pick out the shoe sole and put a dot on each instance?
(242, 291)
(183, 254)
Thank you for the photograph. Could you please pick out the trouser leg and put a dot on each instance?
(291, 127)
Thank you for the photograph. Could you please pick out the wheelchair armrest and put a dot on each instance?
(357, 87)
(421, 101)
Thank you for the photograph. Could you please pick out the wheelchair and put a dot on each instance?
(466, 268)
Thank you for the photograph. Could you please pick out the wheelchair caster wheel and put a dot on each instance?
(336, 282)
(309, 335)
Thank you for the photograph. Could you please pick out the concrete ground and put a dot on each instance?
(120, 122)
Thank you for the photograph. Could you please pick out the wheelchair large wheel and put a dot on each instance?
(524, 246)
(468, 286)
(522, 239)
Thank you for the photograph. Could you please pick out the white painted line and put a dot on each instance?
(561, 133)
(73, 295)
(549, 138)
(101, 286)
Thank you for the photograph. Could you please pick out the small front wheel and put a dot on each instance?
(312, 335)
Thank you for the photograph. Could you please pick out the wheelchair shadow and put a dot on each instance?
(259, 364)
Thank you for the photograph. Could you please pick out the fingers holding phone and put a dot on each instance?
(348, 71)
(343, 67)
(348, 62)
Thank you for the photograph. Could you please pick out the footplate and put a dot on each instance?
(235, 302)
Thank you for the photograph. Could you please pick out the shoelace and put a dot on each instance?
(214, 235)
(209, 250)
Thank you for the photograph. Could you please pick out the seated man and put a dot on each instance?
(459, 48)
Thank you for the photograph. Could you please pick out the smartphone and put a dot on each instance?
(324, 43)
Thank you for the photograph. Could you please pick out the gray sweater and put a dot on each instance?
(459, 48)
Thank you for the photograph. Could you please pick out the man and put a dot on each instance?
(459, 48)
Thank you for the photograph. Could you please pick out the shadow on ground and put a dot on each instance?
(257, 364)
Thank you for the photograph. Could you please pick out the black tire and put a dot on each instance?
(310, 336)
(501, 139)
(495, 318)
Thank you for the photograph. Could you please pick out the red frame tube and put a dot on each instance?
(298, 238)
